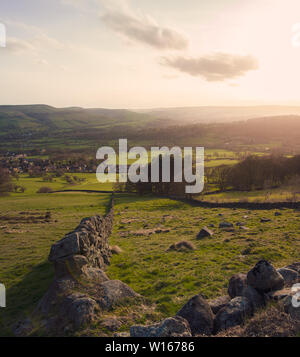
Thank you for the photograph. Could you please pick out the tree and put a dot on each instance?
(5, 181)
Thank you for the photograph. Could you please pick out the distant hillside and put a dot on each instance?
(41, 117)
(220, 114)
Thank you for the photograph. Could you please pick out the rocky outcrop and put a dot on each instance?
(247, 293)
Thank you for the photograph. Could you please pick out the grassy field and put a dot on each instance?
(268, 195)
(33, 184)
(166, 278)
(25, 241)
(170, 278)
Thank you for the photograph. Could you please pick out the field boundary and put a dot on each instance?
(240, 205)
(208, 204)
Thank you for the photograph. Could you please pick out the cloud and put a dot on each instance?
(215, 67)
(17, 45)
(119, 17)
(142, 29)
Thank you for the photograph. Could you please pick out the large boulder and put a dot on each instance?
(233, 314)
(256, 299)
(171, 327)
(237, 284)
(113, 292)
(290, 276)
(218, 303)
(264, 277)
(199, 315)
(205, 232)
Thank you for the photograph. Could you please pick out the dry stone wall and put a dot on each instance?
(80, 288)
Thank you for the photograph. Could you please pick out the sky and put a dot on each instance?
(146, 54)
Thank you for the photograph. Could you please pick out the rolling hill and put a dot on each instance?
(41, 117)
(225, 114)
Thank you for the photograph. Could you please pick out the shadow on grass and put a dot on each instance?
(22, 298)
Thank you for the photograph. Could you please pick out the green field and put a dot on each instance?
(33, 184)
(166, 279)
(25, 241)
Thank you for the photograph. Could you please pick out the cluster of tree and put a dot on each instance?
(171, 188)
(72, 180)
(254, 173)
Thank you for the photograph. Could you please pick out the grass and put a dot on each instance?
(25, 246)
(32, 184)
(169, 279)
(166, 279)
(267, 195)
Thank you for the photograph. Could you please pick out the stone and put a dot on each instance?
(256, 299)
(115, 250)
(111, 324)
(294, 266)
(290, 276)
(218, 303)
(233, 314)
(72, 266)
(199, 315)
(265, 220)
(237, 284)
(95, 275)
(182, 246)
(225, 225)
(244, 228)
(66, 247)
(205, 232)
(78, 309)
(264, 277)
(279, 294)
(170, 327)
(114, 292)
(52, 299)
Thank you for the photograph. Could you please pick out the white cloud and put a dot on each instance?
(214, 67)
(141, 28)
